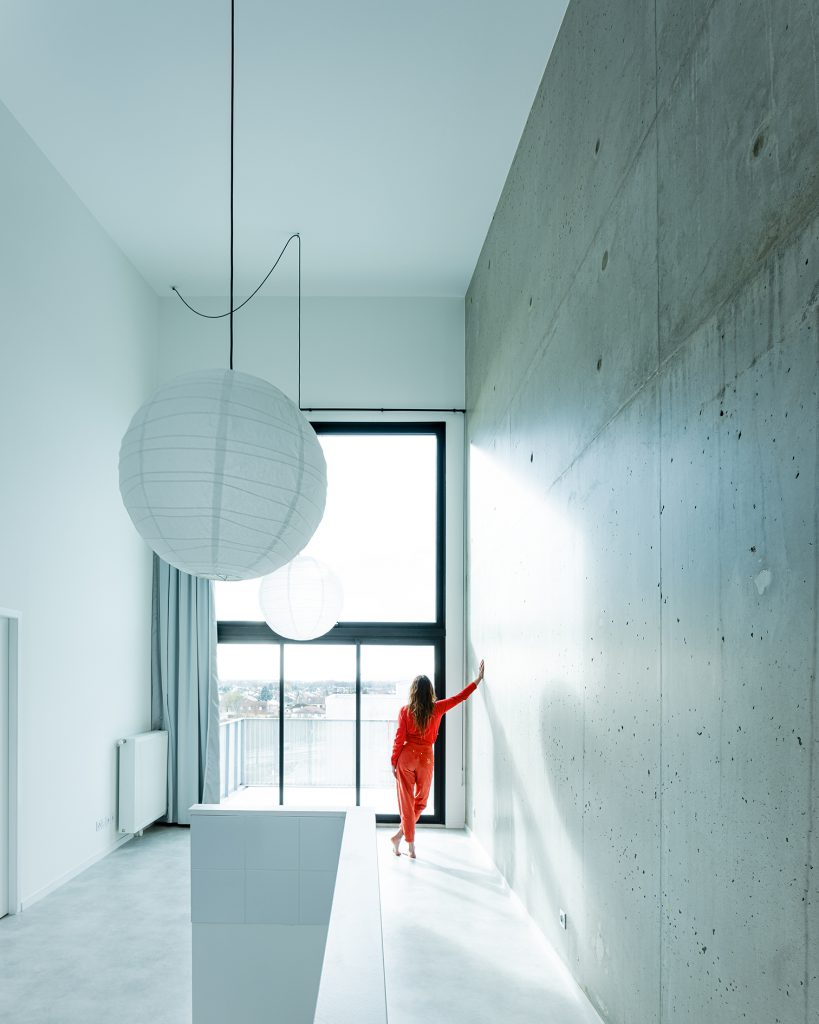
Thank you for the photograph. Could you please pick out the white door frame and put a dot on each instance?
(13, 618)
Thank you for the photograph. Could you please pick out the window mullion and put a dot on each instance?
(358, 724)
(281, 725)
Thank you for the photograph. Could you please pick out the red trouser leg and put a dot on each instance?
(413, 779)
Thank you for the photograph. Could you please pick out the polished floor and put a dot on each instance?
(458, 949)
(114, 943)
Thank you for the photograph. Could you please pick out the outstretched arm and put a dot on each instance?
(448, 703)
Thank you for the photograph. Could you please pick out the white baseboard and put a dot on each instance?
(35, 897)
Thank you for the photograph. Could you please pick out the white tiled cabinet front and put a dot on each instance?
(261, 892)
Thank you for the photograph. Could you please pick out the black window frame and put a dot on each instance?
(426, 634)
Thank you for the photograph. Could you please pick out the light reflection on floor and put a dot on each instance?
(458, 948)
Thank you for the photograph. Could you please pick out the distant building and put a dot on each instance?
(308, 711)
(375, 707)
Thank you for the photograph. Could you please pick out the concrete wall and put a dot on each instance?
(77, 357)
(642, 334)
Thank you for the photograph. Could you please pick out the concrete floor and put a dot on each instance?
(114, 943)
(449, 919)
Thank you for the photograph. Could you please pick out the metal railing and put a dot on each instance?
(318, 752)
(231, 754)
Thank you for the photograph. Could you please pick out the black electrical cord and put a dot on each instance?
(233, 309)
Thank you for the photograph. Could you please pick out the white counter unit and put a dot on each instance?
(267, 887)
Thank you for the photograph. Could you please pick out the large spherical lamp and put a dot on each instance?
(302, 600)
(222, 475)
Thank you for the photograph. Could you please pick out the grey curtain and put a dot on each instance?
(184, 694)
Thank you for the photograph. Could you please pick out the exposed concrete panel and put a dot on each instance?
(692, 892)
(678, 26)
(738, 148)
(615, 507)
(567, 739)
(525, 781)
(739, 575)
(597, 351)
(587, 125)
(812, 886)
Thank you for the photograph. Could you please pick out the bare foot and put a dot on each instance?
(396, 842)
(412, 851)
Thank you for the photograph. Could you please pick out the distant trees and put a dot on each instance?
(232, 701)
(266, 693)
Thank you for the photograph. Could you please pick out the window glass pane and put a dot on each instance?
(379, 529)
(379, 535)
(249, 695)
(319, 725)
(386, 674)
(378, 532)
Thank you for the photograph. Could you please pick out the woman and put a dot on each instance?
(412, 752)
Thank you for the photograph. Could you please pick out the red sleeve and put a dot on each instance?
(448, 703)
(400, 736)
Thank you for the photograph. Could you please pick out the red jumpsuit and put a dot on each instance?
(412, 756)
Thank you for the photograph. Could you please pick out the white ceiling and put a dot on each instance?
(381, 131)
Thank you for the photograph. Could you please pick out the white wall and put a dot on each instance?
(78, 355)
(355, 353)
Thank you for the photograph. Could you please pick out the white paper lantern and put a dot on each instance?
(222, 475)
(302, 600)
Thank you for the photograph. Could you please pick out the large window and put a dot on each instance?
(314, 722)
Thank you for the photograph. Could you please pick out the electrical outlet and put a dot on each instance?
(563, 920)
(102, 823)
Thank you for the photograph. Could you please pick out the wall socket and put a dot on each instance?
(563, 920)
(102, 823)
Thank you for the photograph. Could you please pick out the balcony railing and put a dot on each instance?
(319, 753)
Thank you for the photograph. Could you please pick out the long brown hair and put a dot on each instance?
(421, 700)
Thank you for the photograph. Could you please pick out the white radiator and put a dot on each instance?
(143, 780)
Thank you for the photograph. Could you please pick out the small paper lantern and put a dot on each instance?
(303, 600)
(222, 475)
